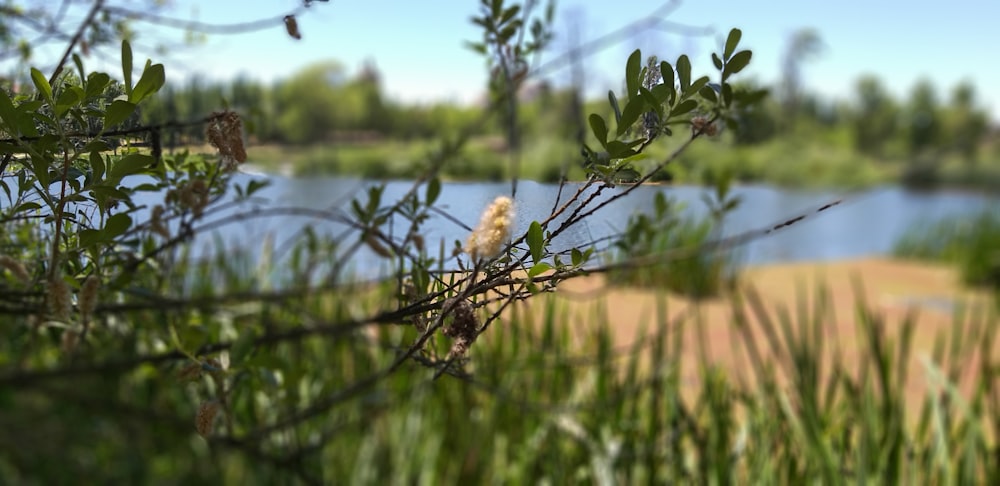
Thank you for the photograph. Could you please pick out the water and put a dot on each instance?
(866, 224)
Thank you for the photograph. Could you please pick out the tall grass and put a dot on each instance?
(973, 244)
(657, 237)
(556, 401)
(545, 396)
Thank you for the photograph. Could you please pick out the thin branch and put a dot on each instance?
(204, 27)
(76, 38)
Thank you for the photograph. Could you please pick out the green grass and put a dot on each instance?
(973, 244)
(806, 161)
(543, 398)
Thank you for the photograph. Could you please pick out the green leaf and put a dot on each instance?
(632, 68)
(737, 63)
(254, 186)
(509, 13)
(618, 149)
(662, 93)
(577, 257)
(633, 110)
(716, 61)
(599, 128)
(667, 73)
(41, 84)
(97, 166)
(614, 106)
(127, 66)
(130, 164)
(731, 43)
(684, 71)
(118, 111)
(651, 101)
(69, 98)
(535, 241)
(696, 86)
(8, 114)
(684, 107)
(28, 206)
(242, 347)
(116, 226)
(96, 84)
(90, 237)
(477, 47)
(433, 190)
(151, 81)
(709, 94)
(538, 269)
(79, 66)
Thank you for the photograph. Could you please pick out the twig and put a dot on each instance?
(76, 38)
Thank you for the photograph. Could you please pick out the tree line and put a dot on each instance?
(323, 103)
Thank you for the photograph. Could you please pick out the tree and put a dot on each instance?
(967, 123)
(804, 45)
(922, 119)
(875, 119)
(126, 359)
(315, 103)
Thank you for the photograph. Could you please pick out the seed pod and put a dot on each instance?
(88, 296)
(377, 247)
(205, 417)
(16, 268)
(292, 27)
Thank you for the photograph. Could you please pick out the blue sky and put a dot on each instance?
(417, 45)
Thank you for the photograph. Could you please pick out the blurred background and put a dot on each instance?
(896, 105)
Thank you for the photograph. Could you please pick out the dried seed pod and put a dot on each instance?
(70, 339)
(377, 246)
(225, 132)
(205, 417)
(59, 298)
(464, 326)
(88, 296)
(190, 372)
(292, 27)
(16, 268)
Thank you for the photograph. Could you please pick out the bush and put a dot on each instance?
(973, 244)
(667, 250)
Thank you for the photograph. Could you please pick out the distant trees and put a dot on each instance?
(966, 124)
(804, 45)
(875, 116)
(325, 102)
(315, 105)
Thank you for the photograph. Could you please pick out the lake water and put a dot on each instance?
(867, 223)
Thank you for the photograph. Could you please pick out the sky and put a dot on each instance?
(418, 45)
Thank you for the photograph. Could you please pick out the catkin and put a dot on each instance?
(493, 230)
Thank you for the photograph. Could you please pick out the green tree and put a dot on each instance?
(967, 124)
(875, 119)
(804, 45)
(314, 103)
(922, 119)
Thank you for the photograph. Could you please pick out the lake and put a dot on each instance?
(868, 223)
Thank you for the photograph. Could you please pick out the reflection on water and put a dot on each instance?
(868, 223)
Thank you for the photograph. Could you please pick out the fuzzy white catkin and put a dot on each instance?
(493, 230)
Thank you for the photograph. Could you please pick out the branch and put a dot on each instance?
(194, 25)
(76, 38)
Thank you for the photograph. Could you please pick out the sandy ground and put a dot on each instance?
(893, 289)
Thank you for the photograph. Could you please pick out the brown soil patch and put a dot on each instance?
(892, 289)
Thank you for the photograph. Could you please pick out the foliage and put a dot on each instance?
(973, 244)
(653, 248)
(132, 352)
